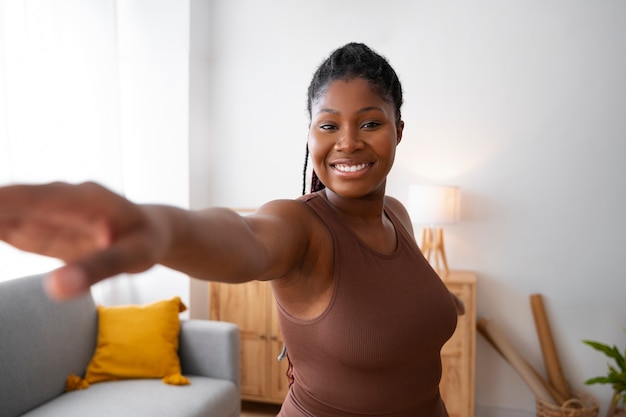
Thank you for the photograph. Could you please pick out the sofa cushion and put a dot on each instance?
(138, 342)
(42, 341)
(146, 397)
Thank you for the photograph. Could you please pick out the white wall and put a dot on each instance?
(154, 71)
(520, 103)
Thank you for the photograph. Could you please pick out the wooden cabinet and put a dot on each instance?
(458, 355)
(263, 377)
(252, 307)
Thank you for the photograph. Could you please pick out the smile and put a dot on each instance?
(351, 168)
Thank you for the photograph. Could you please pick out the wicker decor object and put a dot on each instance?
(582, 405)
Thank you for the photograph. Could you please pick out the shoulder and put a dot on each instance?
(300, 209)
(291, 235)
(397, 208)
(294, 210)
(302, 237)
(292, 218)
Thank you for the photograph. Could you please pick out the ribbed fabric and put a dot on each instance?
(375, 350)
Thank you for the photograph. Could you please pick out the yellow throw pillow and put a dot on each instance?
(136, 342)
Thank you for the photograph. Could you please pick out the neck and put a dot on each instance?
(368, 208)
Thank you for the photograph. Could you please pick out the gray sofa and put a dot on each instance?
(42, 342)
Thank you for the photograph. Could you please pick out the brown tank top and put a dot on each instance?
(375, 350)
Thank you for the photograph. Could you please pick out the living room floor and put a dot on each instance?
(251, 409)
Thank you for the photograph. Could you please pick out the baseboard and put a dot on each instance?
(485, 411)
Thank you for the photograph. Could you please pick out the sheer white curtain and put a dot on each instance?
(59, 100)
(96, 90)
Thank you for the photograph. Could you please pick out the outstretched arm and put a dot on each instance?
(99, 234)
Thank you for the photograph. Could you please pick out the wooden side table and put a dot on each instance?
(458, 355)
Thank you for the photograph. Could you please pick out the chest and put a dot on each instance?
(384, 313)
(388, 311)
(381, 239)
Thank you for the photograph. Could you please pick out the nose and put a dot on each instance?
(348, 140)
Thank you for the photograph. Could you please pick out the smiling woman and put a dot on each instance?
(342, 262)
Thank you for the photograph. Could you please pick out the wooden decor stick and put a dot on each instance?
(548, 349)
(536, 384)
(555, 394)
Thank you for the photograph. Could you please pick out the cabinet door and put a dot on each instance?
(457, 358)
(279, 382)
(246, 306)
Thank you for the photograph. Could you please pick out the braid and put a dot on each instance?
(316, 184)
(306, 163)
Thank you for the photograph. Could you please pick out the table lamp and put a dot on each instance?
(434, 205)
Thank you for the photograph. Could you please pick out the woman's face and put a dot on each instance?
(352, 138)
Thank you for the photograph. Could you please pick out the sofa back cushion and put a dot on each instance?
(41, 343)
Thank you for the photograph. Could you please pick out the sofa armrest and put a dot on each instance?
(210, 348)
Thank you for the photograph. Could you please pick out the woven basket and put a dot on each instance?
(582, 405)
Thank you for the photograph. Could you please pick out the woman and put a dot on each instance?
(362, 313)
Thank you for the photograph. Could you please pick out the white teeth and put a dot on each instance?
(350, 168)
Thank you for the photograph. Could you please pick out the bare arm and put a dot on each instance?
(220, 245)
(99, 234)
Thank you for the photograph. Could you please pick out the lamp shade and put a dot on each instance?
(434, 204)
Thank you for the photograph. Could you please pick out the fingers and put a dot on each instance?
(60, 220)
(97, 233)
(66, 282)
(460, 305)
(76, 278)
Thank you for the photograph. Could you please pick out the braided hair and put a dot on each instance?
(353, 60)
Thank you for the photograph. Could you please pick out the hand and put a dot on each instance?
(96, 232)
(459, 304)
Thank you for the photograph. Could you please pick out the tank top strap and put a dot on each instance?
(320, 205)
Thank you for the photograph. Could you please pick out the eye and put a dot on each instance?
(327, 126)
(370, 125)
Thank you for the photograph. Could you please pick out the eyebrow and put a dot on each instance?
(363, 110)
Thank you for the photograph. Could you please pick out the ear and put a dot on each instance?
(399, 130)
